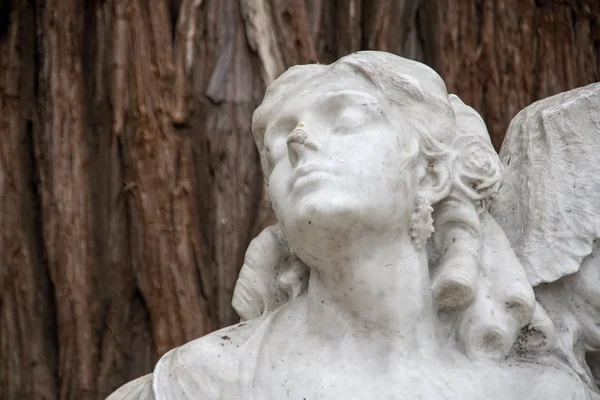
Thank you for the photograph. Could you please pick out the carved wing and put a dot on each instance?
(549, 204)
(549, 208)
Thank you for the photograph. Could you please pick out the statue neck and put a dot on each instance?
(379, 289)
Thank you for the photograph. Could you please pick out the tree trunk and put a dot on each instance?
(129, 181)
(28, 331)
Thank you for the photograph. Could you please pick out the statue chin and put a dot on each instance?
(323, 202)
(430, 282)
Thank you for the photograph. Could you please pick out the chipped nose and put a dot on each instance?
(295, 141)
(298, 141)
(297, 136)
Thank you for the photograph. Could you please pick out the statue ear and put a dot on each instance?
(435, 182)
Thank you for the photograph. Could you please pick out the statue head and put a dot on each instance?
(342, 146)
(369, 143)
(372, 145)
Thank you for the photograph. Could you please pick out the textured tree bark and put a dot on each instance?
(129, 182)
(28, 335)
(62, 159)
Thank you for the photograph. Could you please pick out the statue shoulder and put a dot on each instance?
(206, 368)
(138, 389)
(209, 367)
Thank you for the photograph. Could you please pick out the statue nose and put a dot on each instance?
(299, 142)
(295, 142)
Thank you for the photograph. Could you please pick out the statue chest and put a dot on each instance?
(315, 377)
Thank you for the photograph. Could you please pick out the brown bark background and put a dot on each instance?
(129, 182)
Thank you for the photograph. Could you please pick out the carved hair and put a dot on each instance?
(271, 276)
(450, 135)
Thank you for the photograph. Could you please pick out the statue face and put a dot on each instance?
(339, 167)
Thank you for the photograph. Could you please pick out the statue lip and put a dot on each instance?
(308, 173)
(307, 169)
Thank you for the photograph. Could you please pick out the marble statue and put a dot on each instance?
(409, 261)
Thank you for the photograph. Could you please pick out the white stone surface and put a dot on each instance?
(549, 207)
(386, 277)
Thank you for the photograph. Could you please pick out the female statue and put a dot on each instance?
(385, 277)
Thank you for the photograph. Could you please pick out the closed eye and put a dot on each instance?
(355, 116)
(350, 118)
